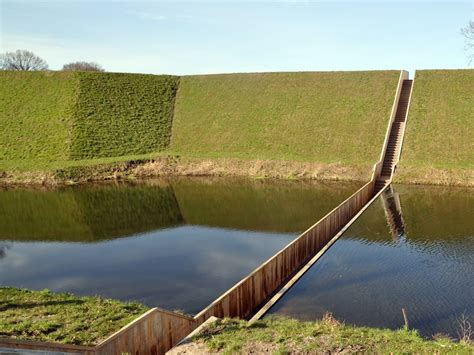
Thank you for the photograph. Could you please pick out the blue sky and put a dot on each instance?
(193, 37)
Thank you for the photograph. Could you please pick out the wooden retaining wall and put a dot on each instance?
(244, 298)
(154, 332)
(46, 347)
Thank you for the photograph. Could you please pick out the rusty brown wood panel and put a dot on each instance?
(12, 343)
(244, 298)
(155, 332)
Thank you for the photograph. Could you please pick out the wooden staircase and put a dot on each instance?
(394, 143)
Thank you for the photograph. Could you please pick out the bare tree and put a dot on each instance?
(468, 33)
(82, 66)
(22, 60)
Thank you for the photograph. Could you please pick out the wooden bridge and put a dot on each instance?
(158, 330)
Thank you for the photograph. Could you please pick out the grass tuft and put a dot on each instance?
(62, 317)
(282, 335)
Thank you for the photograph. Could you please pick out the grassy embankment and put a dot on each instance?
(52, 121)
(79, 126)
(64, 318)
(438, 146)
(322, 124)
(327, 336)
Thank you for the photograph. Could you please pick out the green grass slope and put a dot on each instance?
(438, 141)
(122, 114)
(327, 117)
(36, 113)
(52, 118)
(62, 317)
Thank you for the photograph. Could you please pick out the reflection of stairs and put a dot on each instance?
(379, 184)
(393, 212)
(395, 139)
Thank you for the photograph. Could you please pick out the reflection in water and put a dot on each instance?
(178, 268)
(175, 244)
(367, 277)
(393, 212)
(3, 249)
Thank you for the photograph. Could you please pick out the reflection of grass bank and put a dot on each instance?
(274, 206)
(106, 211)
(430, 213)
(279, 335)
(86, 214)
(62, 317)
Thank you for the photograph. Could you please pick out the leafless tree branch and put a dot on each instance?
(468, 33)
(22, 60)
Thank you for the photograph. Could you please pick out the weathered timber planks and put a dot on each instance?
(244, 298)
(155, 332)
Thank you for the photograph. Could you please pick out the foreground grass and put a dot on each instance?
(280, 335)
(62, 317)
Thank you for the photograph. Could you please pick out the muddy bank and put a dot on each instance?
(185, 166)
(178, 166)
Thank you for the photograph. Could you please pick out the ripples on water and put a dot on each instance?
(372, 272)
(175, 244)
(179, 244)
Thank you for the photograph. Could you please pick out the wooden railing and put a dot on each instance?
(399, 153)
(244, 298)
(378, 166)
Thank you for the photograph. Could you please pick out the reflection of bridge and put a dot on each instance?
(393, 212)
(158, 330)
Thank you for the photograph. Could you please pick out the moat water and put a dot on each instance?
(176, 244)
(412, 249)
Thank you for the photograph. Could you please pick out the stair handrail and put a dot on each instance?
(377, 169)
(403, 128)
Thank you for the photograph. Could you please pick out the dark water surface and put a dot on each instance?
(175, 244)
(412, 249)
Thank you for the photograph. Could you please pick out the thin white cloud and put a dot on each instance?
(149, 16)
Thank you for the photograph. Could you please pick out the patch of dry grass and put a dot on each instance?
(327, 336)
